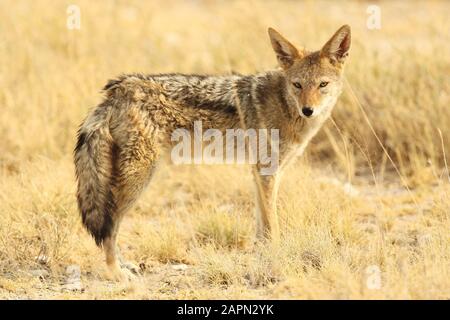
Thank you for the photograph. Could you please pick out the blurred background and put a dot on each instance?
(51, 74)
(374, 180)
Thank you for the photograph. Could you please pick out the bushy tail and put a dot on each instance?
(95, 156)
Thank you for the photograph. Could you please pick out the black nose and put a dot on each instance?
(307, 111)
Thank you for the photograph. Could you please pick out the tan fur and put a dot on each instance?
(121, 140)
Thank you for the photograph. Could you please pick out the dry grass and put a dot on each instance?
(344, 209)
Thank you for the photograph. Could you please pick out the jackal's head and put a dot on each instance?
(313, 79)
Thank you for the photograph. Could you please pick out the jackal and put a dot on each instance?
(121, 140)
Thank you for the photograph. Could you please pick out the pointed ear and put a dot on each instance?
(286, 52)
(337, 48)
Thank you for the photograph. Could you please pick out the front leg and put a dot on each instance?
(267, 186)
(266, 206)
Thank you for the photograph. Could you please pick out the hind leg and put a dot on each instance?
(118, 269)
(115, 271)
(136, 164)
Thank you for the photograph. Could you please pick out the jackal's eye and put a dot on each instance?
(323, 84)
(297, 85)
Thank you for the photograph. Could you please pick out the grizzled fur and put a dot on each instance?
(121, 140)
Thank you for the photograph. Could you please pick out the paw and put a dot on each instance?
(131, 267)
(120, 274)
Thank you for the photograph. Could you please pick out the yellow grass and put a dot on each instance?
(365, 214)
